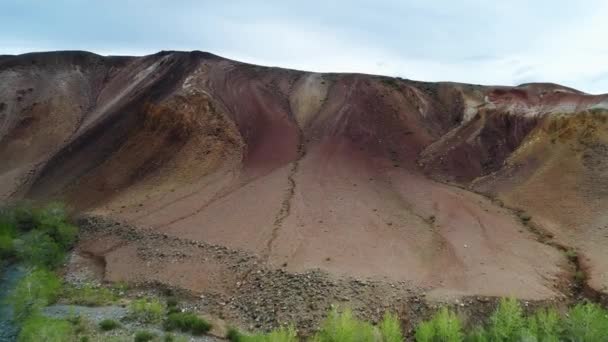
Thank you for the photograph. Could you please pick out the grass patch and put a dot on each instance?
(108, 324)
(144, 336)
(37, 328)
(88, 295)
(146, 311)
(186, 322)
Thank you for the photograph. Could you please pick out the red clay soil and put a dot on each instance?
(359, 176)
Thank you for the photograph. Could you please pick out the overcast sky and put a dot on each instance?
(474, 41)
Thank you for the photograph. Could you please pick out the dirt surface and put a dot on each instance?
(224, 172)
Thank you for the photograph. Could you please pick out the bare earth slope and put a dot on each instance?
(359, 176)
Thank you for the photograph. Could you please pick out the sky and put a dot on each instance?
(472, 41)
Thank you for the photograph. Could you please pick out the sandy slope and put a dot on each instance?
(345, 173)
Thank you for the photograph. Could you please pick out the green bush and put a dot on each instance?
(186, 322)
(53, 220)
(390, 328)
(445, 326)
(146, 311)
(343, 326)
(108, 324)
(36, 290)
(144, 336)
(38, 328)
(545, 325)
(507, 323)
(36, 236)
(37, 248)
(233, 334)
(586, 322)
(88, 295)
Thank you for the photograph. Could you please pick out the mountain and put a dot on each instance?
(443, 188)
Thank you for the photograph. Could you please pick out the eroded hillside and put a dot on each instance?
(358, 177)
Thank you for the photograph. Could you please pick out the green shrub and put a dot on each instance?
(186, 322)
(88, 295)
(53, 220)
(146, 311)
(390, 328)
(233, 335)
(144, 336)
(38, 328)
(108, 324)
(445, 326)
(507, 323)
(545, 325)
(586, 322)
(37, 248)
(342, 326)
(36, 290)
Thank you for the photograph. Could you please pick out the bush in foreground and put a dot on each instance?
(108, 324)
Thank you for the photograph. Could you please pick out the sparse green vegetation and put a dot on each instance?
(282, 334)
(585, 322)
(146, 311)
(571, 254)
(186, 322)
(108, 324)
